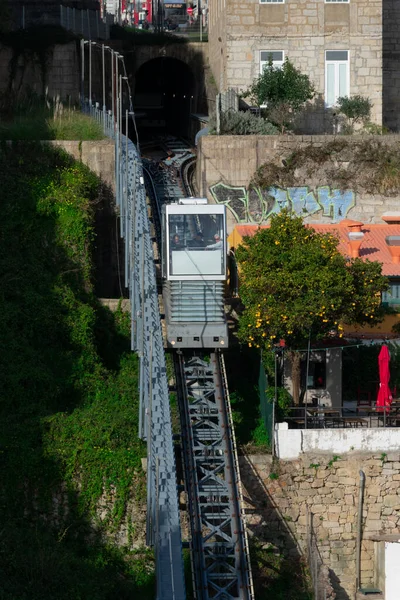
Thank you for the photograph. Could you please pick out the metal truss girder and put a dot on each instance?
(211, 475)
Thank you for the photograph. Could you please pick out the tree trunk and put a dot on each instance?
(295, 360)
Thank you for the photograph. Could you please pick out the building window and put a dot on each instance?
(277, 56)
(337, 73)
(392, 295)
(272, 1)
(337, 1)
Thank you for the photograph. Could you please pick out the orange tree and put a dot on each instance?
(294, 283)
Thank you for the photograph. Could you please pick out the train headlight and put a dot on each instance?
(173, 342)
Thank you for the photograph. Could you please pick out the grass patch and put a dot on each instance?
(68, 389)
(29, 117)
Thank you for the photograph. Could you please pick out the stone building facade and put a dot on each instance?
(345, 46)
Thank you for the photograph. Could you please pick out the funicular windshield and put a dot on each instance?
(196, 245)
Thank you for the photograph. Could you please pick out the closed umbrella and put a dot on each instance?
(384, 399)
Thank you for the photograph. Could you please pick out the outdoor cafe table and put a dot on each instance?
(322, 415)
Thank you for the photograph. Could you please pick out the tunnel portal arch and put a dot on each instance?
(165, 93)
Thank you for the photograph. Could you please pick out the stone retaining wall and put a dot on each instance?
(277, 497)
(61, 77)
(99, 156)
(226, 165)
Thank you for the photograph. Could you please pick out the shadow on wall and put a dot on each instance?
(286, 578)
(275, 533)
(391, 65)
(316, 119)
(341, 594)
(109, 250)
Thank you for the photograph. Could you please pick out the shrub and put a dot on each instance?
(357, 109)
(284, 400)
(283, 91)
(243, 123)
(374, 129)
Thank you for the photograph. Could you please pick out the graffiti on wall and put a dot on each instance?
(256, 205)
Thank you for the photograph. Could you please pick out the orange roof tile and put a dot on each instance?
(373, 245)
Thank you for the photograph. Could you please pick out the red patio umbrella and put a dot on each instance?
(384, 399)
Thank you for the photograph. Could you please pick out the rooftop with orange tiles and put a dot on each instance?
(372, 244)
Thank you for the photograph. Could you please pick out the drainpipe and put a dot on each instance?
(359, 529)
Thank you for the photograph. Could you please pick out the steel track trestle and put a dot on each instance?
(220, 557)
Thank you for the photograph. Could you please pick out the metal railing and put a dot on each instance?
(313, 416)
(87, 23)
(163, 523)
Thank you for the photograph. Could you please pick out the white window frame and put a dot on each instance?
(272, 1)
(337, 63)
(277, 64)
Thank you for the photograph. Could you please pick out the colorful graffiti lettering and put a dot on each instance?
(256, 205)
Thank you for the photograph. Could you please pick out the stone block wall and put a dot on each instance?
(226, 165)
(61, 77)
(217, 42)
(326, 486)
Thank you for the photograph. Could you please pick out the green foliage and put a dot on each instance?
(294, 280)
(315, 465)
(242, 365)
(284, 400)
(29, 117)
(273, 476)
(68, 389)
(243, 123)
(383, 457)
(357, 108)
(374, 129)
(284, 91)
(130, 36)
(260, 435)
(333, 460)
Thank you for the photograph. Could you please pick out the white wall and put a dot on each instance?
(291, 443)
(392, 561)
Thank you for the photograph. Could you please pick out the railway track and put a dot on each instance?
(218, 542)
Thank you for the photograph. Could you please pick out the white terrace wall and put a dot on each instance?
(278, 496)
(227, 164)
(291, 443)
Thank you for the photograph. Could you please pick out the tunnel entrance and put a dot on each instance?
(164, 97)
